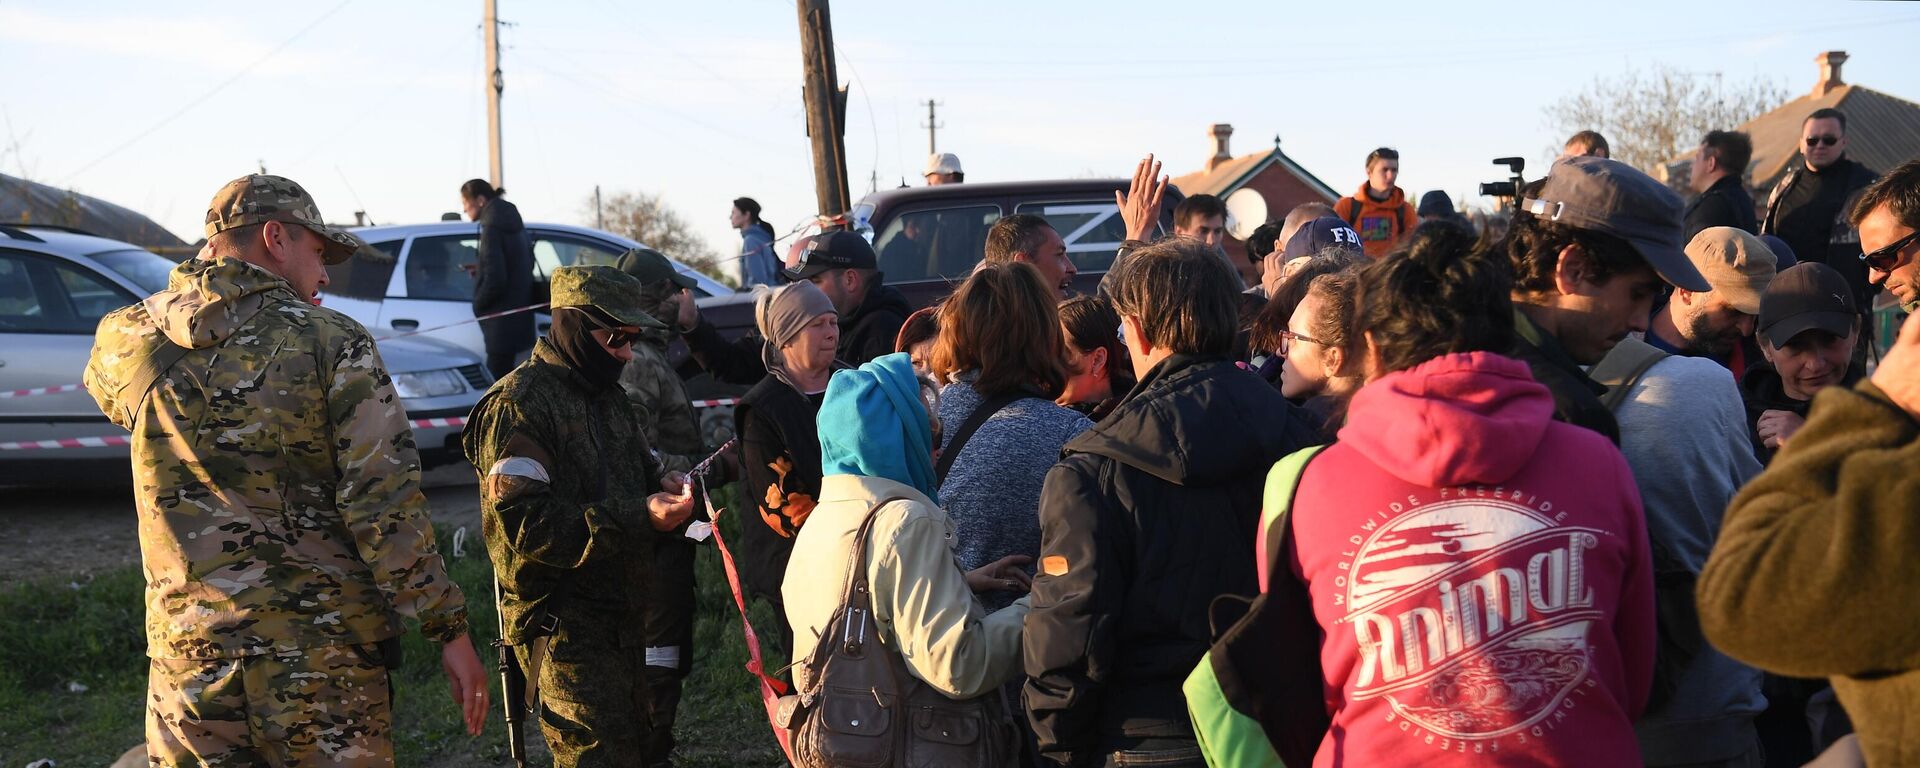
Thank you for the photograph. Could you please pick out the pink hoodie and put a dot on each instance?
(1481, 574)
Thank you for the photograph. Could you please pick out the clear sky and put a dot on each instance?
(380, 105)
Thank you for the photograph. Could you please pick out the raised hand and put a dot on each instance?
(1140, 205)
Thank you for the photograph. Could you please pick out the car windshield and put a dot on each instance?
(142, 267)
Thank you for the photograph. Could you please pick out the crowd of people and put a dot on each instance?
(1618, 482)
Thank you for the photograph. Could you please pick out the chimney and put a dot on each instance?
(1829, 72)
(1220, 133)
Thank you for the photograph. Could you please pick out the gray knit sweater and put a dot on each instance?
(992, 491)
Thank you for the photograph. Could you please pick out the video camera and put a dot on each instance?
(1510, 188)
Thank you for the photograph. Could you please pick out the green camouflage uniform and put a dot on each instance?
(282, 528)
(573, 551)
(660, 399)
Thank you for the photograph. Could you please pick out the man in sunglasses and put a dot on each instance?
(1809, 207)
(572, 502)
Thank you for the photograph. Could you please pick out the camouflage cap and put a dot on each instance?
(651, 266)
(259, 198)
(604, 288)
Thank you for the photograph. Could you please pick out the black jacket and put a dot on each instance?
(1725, 204)
(1761, 390)
(505, 277)
(780, 457)
(870, 331)
(1149, 516)
(1576, 398)
(1817, 225)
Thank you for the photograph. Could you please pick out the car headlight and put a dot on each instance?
(429, 383)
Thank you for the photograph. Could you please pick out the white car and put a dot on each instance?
(55, 285)
(415, 277)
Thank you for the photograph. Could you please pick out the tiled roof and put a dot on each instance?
(1230, 175)
(1883, 131)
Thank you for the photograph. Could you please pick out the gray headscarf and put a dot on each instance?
(780, 315)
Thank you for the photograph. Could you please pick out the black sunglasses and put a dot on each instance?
(616, 337)
(1823, 140)
(1884, 259)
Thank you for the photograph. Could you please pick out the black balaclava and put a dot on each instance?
(571, 336)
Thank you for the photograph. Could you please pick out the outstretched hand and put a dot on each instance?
(668, 511)
(1140, 204)
(1007, 573)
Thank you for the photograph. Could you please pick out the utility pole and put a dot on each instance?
(599, 218)
(826, 104)
(495, 84)
(931, 126)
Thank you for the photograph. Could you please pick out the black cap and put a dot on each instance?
(651, 266)
(1611, 197)
(839, 249)
(1807, 296)
(1435, 203)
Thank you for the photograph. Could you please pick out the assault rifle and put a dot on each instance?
(513, 686)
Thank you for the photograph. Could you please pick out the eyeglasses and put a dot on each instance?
(1822, 140)
(1288, 337)
(1884, 259)
(616, 337)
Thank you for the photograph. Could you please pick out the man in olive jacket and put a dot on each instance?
(571, 504)
(1814, 572)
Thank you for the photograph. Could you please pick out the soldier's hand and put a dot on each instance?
(669, 510)
(675, 483)
(466, 680)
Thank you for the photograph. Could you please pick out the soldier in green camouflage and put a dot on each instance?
(666, 414)
(283, 533)
(572, 502)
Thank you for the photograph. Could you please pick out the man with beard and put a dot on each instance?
(571, 505)
(1710, 324)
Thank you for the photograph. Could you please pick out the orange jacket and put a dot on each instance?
(1382, 224)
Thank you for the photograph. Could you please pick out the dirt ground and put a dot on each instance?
(71, 532)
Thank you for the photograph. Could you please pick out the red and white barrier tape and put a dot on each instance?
(455, 421)
(40, 391)
(68, 442)
(716, 403)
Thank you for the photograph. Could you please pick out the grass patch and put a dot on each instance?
(54, 633)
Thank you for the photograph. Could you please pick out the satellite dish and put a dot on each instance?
(1246, 211)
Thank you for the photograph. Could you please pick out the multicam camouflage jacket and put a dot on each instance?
(660, 398)
(565, 472)
(276, 480)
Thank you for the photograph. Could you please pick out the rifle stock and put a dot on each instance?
(513, 686)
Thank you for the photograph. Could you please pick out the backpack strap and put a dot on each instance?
(974, 420)
(1276, 502)
(1623, 367)
(1352, 216)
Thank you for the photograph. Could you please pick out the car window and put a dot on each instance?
(20, 308)
(89, 297)
(365, 276)
(437, 267)
(1092, 229)
(554, 251)
(142, 267)
(928, 243)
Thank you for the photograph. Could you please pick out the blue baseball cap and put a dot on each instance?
(1318, 234)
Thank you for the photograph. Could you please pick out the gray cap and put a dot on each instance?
(1608, 196)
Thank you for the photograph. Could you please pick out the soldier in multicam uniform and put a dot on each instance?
(283, 533)
(667, 416)
(572, 503)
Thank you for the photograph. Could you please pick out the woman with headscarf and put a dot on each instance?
(876, 441)
(779, 448)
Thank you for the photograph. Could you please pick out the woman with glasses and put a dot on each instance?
(779, 445)
(1317, 370)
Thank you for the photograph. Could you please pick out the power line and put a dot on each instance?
(191, 105)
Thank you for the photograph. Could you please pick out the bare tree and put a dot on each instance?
(647, 219)
(1653, 116)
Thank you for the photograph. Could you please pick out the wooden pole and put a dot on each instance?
(825, 107)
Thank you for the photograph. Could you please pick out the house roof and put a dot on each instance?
(29, 202)
(1232, 174)
(1883, 131)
